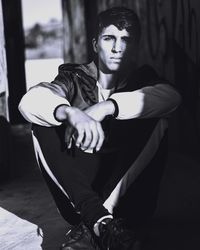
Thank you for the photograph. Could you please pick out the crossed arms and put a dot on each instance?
(42, 106)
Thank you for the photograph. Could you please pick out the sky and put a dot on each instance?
(40, 11)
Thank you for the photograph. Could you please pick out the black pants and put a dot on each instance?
(88, 179)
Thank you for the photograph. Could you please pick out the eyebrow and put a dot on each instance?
(107, 35)
(113, 36)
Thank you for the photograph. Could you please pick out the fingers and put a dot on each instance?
(101, 137)
(85, 144)
(95, 135)
(90, 136)
(88, 131)
(80, 135)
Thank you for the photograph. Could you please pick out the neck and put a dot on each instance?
(110, 80)
(107, 81)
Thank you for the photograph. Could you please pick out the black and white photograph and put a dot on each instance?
(99, 125)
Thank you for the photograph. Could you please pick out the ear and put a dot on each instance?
(94, 43)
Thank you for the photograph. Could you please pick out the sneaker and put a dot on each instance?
(115, 236)
(80, 238)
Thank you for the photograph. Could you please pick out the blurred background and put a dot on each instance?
(43, 34)
(37, 36)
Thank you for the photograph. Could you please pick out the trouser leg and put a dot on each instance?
(87, 179)
(63, 204)
(74, 173)
(139, 203)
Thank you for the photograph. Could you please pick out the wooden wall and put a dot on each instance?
(3, 71)
(14, 38)
(4, 117)
(170, 42)
(75, 49)
(79, 18)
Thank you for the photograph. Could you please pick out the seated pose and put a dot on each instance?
(100, 136)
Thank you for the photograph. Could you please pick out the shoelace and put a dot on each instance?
(115, 235)
(76, 232)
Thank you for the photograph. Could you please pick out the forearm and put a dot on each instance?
(86, 131)
(38, 105)
(102, 109)
(148, 102)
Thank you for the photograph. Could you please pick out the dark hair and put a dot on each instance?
(122, 18)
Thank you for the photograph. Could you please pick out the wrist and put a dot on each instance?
(61, 112)
(109, 107)
(114, 109)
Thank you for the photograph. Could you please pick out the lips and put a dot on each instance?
(116, 60)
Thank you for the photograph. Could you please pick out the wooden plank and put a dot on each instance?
(90, 22)
(4, 125)
(75, 50)
(15, 56)
(105, 4)
(3, 71)
(79, 17)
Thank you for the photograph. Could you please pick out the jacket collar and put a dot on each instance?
(90, 69)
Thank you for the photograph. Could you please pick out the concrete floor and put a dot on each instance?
(37, 221)
(29, 219)
(28, 216)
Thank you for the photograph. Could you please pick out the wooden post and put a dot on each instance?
(75, 50)
(3, 71)
(15, 56)
(90, 22)
(4, 117)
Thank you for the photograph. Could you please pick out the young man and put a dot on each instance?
(99, 132)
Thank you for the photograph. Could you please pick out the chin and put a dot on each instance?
(111, 67)
(114, 67)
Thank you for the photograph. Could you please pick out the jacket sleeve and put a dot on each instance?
(38, 104)
(148, 102)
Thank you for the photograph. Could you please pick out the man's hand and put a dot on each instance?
(86, 131)
(100, 110)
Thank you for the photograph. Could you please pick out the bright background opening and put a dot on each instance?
(43, 29)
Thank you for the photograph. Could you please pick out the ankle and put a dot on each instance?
(98, 226)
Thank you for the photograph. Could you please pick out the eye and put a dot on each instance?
(107, 38)
(127, 40)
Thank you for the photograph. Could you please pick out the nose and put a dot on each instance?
(117, 46)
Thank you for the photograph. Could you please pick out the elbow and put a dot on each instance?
(175, 99)
(171, 100)
(171, 96)
(22, 107)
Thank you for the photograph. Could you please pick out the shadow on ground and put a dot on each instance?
(25, 195)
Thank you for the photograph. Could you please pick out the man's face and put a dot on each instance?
(114, 48)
